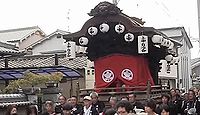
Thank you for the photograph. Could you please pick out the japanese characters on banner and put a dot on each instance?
(142, 44)
(71, 48)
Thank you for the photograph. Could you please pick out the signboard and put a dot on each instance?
(142, 44)
(70, 51)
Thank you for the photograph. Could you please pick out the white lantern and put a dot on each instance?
(168, 58)
(157, 39)
(119, 28)
(164, 42)
(83, 41)
(82, 49)
(129, 37)
(168, 43)
(171, 45)
(177, 59)
(104, 27)
(173, 60)
(92, 31)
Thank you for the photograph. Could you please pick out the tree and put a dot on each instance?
(31, 79)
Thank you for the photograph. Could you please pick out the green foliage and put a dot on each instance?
(57, 77)
(31, 79)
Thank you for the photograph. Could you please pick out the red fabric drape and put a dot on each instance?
(131, 70)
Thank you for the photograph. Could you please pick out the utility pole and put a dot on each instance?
(198, 6)
(68, 20)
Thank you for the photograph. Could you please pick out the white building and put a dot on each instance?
(50, 44)
(184, 64)
(22, 37)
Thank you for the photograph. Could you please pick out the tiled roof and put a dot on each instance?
(8, 51)
(78, 62)
(17, 34)
(45, 60)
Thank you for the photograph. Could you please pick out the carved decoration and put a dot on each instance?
(104, 8)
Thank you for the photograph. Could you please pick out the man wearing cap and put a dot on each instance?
(88, 109)
(96, 103)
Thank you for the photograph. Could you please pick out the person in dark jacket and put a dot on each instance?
(99, 105)
(59, 107)
(11, 110)
(123, 107)
(31, 110)
(88, 109)
(165, 110)
(77, 108)
(110, 111)
(112, 102)
(134, 103)
(150, 106)
(192, 106)
(67, 109)
(49, 106)
(165, 100)
(175, 103)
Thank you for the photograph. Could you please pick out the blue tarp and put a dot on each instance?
(17, 73)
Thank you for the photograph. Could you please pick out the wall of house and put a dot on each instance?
(34, 37)
(89, 78)
(52, 44)
(90, 75)
(184, 66)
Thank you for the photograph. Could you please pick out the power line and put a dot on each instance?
(166, 10)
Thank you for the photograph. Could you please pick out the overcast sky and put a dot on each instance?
(70, 15)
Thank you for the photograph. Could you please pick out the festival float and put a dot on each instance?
(125, 53)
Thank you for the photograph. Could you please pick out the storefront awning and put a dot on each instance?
(17, 73)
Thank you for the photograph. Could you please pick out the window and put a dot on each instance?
(92, 71)
(58, 36)
(88, 72)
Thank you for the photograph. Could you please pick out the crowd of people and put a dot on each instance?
(174, 103)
